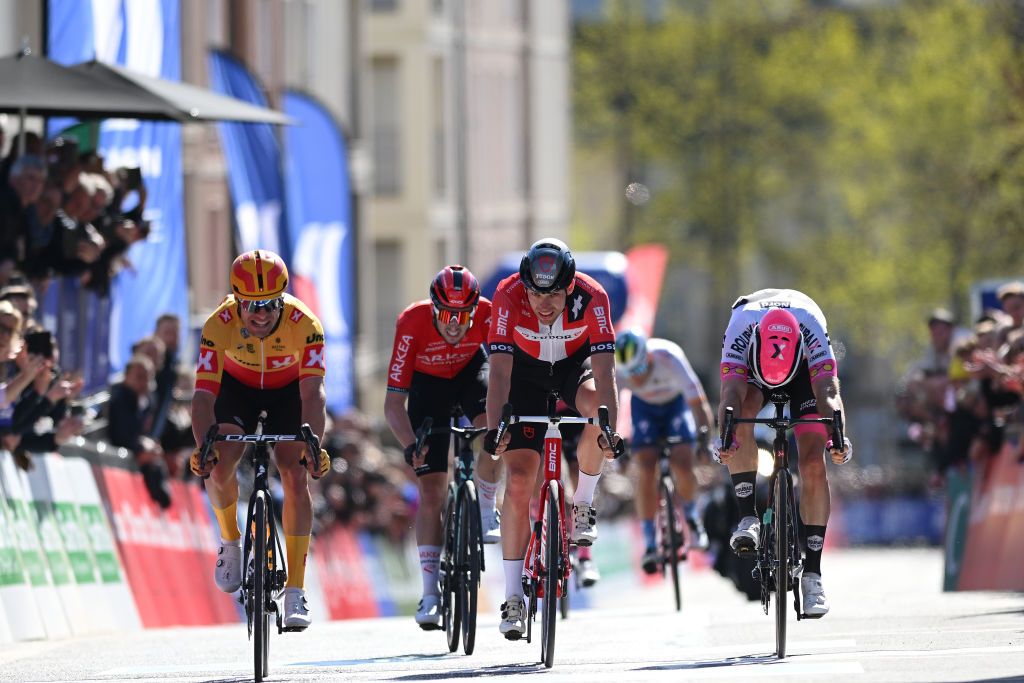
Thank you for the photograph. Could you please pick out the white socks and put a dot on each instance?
(430, 558)
(488, 492)
(513, 577)
(585, 488)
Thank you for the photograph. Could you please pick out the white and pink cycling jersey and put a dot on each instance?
(671, 375)
(748, 311)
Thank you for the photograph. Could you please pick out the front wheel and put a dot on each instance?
(469, 549)
(260, 615)
(450, 609)
(671, 538)
(552, 554)
(782, 531)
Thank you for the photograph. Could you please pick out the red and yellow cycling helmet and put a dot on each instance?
(258, 275)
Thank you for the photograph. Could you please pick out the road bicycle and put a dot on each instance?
(462, 552)
(671, 541)
(547, 567)
(262, 555)
(779, 557)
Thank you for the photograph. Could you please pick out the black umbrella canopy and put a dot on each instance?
(35, 86)
(184, 101)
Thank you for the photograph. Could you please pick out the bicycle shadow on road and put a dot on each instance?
(394, 659)
(497, 670)
(745, 660)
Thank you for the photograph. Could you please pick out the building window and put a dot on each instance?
(440, 138)
(387, 148)
(383, 5)
(390, 286)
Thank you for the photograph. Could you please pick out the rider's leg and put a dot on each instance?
(433, 489)
(743, 465)
(222, 486)
(488, 478)
(520, 483)
(646, 459)
(297, 515)
(814, 495)
(591, 457)
(681, 462)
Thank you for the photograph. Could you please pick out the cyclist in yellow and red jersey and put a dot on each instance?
(262, 349)
(546, 321)
(438, 363)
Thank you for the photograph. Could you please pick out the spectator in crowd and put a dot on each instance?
(1011, 299)
(33, 146)
(19, 293)
(23, 187)
(130, 421)
(14, 378)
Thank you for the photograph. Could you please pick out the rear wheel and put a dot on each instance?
(260, 615)
(782, 531)
(671, 538)
(469, 549)
(552, 554)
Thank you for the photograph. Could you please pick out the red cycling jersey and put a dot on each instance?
(420, 347)
(585, 322)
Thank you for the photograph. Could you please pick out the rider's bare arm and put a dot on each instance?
(499, 382)
(603, 366)
(398, 418)
(202, 414)
(314, 404)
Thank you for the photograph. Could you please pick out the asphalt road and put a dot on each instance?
(889, 622)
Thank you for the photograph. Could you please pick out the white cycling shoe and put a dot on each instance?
(490, 520)
(815, 602)
(428, 613)
(584, 524)
(296, 611)
(512, 625)
(589, 575)
(228, 572)
(744, 540)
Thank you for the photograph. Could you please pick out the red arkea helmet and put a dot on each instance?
(776, 348)
(455, 294)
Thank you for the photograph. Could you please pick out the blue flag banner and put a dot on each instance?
(142, 35)
(319, 234)
(253, 161)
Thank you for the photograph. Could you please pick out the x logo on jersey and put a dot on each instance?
(205, 361)
(315, 357)
(577, 304)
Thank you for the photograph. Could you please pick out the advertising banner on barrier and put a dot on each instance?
(64, 545)
(167, 554)
(93, 520)
(958, 505)
(993, 555)
(39, 611)
(348, 590)
(14, 589)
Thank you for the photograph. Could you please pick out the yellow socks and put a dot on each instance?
(296, 547)
(227, 519)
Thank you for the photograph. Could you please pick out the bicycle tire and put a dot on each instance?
(552, 574)
(260, 617)
(451, 611)
(782, 531)
(470, 548)
(671, 539)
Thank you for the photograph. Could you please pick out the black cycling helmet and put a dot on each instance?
(548, 266)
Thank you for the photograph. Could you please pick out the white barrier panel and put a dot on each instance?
(93, 518)
(14, 588)
(39, 614)
(66, 576)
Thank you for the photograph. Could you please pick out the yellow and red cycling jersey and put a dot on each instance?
(293, 350)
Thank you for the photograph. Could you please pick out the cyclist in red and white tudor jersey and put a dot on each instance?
(778, 339)
(438, 363)
(545, 321)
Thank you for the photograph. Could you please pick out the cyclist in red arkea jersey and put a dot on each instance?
(438, 363)
(545, 322)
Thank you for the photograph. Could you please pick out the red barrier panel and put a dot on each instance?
(168, 555)
(993, 556)
(346, 583)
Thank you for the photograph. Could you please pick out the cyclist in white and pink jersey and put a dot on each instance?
(667, 394)
(546, 320)
(778, 339)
